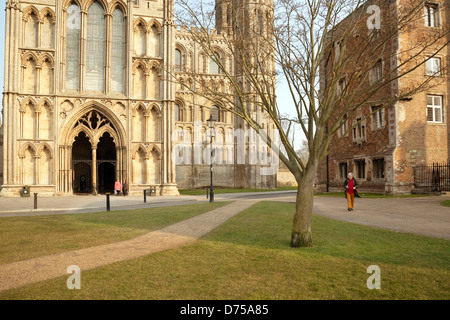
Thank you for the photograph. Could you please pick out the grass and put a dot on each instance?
(249, 257)
(198, 192)
(445, 203)
(28, 237)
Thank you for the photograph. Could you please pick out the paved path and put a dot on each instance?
(76, 204)
(21, 273)
(418, 215)
(422, 216)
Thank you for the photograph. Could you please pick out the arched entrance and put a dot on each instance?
(82, 164)
(106, 163)
(94, 154)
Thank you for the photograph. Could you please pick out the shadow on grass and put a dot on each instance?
(268, 225)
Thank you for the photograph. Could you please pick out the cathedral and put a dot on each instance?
(92, 95)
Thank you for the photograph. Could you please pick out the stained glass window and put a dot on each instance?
(118, 52)
(72, 46)
(95, 49)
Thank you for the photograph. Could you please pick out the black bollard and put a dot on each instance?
(35, 201)
(145, 196)
(108, 204)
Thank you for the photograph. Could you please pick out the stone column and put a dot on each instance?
(118, 163)
(69, 168)
(83, 36)
(10, 119)
(146, 117)
(169, 186)
(108, 30)
(38, 169)
(123, 163)
(94, 169)
(147, 170)
(147, 86)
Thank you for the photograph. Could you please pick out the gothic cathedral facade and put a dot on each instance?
(89, 98)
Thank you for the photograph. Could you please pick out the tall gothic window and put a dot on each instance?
(73, 47)
(118, 52)
(95, 48)
(213, 66)
(215, 113)
(177, 60)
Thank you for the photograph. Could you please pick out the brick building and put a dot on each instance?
(382, 144)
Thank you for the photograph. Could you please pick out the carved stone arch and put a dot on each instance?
(42, 146)
(118, 4)
(154, 64)
(83, 110)
(48, 11)
(155, 148)
(136, 149)
(154, 23)
(45, 56)
(27, 101)
(28, 10)
(137, 106)
(156, 107)
(67, 3)
(87, 4)
(109, 130)
(139, 63)
(27, 56)
(181, 102)
(181, 47)
(25, 147)
(140, 21)
(43, 101)
(76, 131)
(219, 51)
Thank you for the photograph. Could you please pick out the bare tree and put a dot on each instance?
(327, 51)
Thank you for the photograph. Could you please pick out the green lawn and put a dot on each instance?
(249, 257)
(445, 203)
(27, 237)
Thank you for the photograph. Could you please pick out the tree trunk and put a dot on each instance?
(301, 229)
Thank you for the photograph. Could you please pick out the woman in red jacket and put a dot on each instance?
(350, 185)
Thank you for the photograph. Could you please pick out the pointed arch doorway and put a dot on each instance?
(96, 154)
(83, 164)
